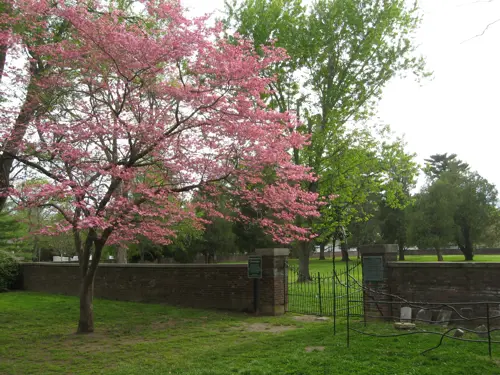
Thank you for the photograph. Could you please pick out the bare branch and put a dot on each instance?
(484, 31)
(475, 2)
(36, 166)
(58, 208)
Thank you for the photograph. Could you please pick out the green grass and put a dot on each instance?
(326, 266)
(36, 337)
(322, 266)
(324, 294)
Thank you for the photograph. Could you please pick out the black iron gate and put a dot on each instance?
(338, 293)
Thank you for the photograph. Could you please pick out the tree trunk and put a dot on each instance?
(121, 255)
(345, 251)
(11, 146)
(468, 249)
(88, 269)
(3, 47)
(401, 249)
(36, 248)
(141, 247)
(3, 55)
(86, 322)
(321, 251)
(439, 254)
(468, 254)
(303, 254)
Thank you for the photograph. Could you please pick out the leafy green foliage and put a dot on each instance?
(432, 217)
(8, 230)
(342, 54)
(475, 208)
(438, 164)
(9, 271)
(456, 206)
(396, 194)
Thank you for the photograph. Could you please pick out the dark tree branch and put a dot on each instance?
(484, 31)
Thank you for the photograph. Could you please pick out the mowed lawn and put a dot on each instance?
(36, 337)
(326, 266)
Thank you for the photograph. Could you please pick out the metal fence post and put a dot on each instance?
(489, 327)
(319, 291)
(334, 285)
(347, 302)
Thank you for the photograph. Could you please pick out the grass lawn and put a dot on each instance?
(326, 266)
(36, 337)
(318, 295)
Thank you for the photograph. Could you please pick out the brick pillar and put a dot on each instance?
(273, 285)
(376, 279)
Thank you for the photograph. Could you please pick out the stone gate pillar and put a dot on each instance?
(376, 279)
(273, 287)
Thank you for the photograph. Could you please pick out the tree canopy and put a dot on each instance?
(153, 107)
(342, 54)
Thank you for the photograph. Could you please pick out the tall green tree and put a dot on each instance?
(400, 178)
(342, 54)
(475, 211)
(432, 223)
(437, 164)
(456, 206)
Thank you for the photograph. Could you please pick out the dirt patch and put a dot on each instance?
(265, 327)
(160, 326)
(310, 349)
(311, 318)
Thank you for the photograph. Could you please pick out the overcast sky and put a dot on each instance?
(458, 110)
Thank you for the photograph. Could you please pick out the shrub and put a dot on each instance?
(9, 271)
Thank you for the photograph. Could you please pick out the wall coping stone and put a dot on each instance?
(378, 249)
(273, 252)
(139, 265)
(406, 264)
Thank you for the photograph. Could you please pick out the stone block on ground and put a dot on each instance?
(404, 326)
(444, 318)
(482, 331)
(458, 333)
(321, 319)
(435, 314)
(310, 349)
(424, 316)
(405, 315)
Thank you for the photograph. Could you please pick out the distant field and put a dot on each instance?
(326, 266)
(316, 265)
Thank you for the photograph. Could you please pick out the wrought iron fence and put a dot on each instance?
(326, 293)
(477, 322)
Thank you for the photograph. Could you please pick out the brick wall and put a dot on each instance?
(202, 286)
(446, 282)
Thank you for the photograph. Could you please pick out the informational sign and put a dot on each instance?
(373, 268)
(255, 267)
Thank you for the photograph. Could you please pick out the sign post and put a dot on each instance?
(255, 273)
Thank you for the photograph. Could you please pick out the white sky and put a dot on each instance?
(458, 110)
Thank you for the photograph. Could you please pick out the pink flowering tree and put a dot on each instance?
(155, 108)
